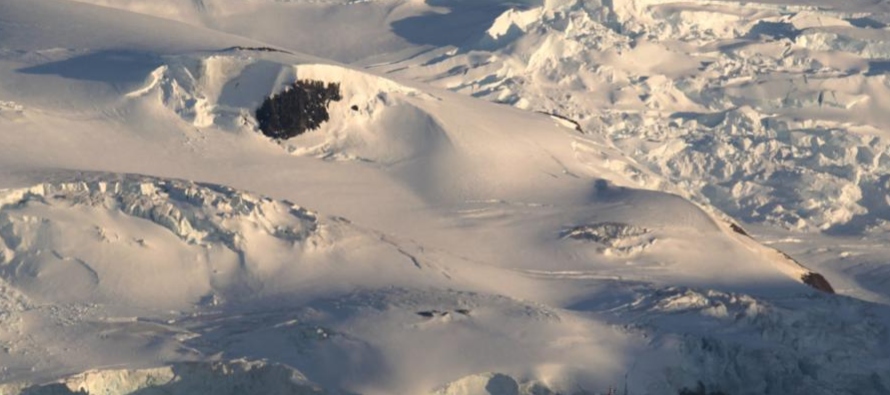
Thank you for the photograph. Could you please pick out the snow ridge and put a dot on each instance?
(196, 213)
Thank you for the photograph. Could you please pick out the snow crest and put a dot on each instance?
(196, 213)
(87, 241)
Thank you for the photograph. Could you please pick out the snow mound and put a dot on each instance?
(375, 122)
(224, 89)
(232, 377)
(88, 239)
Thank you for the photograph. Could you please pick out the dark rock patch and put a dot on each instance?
(817, 281)
(302, 107)
(577, 125)
(738, 229)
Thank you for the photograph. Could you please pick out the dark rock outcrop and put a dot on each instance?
(300, 108)
(817, 281)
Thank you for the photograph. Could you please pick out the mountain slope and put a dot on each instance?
(502, 244)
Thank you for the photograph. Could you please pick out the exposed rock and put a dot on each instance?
(817, 281)
(300, 108)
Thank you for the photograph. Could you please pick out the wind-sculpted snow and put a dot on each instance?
(196, 213)
(234, 377)
(825, 178)
(815, 350)
(41, 229)
(769, 112)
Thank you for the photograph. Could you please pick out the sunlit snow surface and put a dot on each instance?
(624, 224)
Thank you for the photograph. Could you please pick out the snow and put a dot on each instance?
(681, 64)
(220, 378)
(642, 212)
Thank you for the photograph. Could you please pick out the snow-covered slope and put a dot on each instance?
(769, 111)
(731, 102)
(421, 241)
(736, 102)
